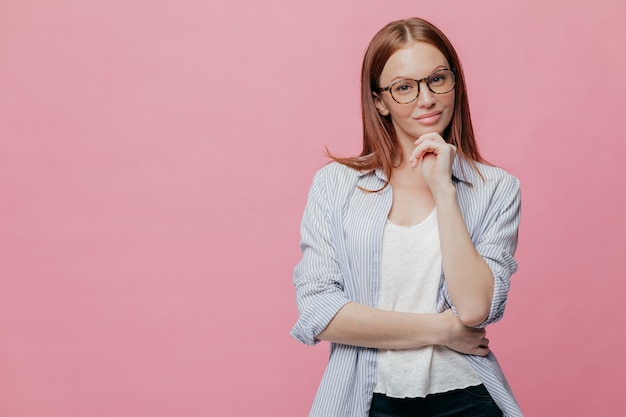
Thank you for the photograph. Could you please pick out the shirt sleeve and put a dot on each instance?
(317, 277)
(498, 242)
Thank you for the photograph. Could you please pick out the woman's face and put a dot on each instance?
(430, 112)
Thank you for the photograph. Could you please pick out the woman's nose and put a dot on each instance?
(426, 98)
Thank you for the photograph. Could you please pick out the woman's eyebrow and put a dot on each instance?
(402, 77)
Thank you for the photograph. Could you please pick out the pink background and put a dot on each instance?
(155, 157)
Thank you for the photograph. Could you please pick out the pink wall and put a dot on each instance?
(155, 158)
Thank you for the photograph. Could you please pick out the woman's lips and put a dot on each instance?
(429, 118)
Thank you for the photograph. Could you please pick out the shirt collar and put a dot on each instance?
(462, 170)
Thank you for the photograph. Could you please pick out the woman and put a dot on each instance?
(407, 249)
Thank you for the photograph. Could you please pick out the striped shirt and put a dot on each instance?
(341, 245)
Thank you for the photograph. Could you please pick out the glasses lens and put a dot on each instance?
(404, 91)
(441, 81)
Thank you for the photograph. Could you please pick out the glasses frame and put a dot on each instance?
(419, 82)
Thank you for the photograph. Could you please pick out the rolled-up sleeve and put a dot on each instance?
(498, 242)
(317, 277)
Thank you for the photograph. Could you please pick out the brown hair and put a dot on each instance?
(380, 146)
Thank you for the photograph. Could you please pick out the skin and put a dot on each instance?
(421, 181)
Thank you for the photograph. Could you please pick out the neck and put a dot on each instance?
(404, 148)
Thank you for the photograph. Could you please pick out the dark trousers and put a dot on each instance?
(467, 402)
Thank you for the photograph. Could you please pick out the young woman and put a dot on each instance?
(407, 249)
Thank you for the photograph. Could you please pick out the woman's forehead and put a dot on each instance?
(415, 60)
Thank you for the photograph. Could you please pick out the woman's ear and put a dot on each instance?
(380, 105)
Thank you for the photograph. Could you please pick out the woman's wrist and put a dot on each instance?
(436, 329)
(444, 193)
(446, 324)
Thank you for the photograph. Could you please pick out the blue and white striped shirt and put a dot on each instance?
(341, 244)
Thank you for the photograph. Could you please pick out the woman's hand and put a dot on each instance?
(435, 157)
(463, 339)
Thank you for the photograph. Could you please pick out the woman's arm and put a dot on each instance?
(361, 325)
(471, 272)
(469, 279)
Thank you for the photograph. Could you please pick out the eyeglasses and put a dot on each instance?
(406, 91)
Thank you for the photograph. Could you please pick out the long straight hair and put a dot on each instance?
(380, 144)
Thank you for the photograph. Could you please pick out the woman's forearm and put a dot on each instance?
(360, 325)
(469, 279)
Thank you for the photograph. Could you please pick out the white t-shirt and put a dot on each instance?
(411, 273)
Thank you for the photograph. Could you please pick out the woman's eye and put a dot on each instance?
(437, 79)
(404, 88)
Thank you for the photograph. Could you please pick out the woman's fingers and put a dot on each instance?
(464, 339)
(421, 144)
(430, 143)
(481, 348)
(434, 136)
(481, 351)
(422, 151)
